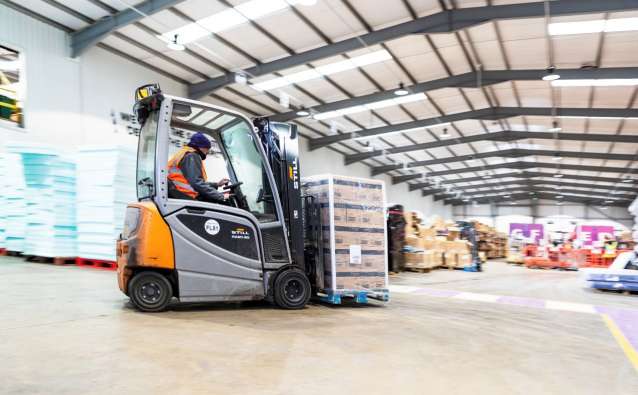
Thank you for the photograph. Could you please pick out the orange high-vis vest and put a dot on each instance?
(177, 177)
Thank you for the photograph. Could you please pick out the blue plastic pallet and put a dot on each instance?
(615, 285)
(613, 277)
(335, 297)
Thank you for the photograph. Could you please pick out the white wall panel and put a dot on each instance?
(69, 101)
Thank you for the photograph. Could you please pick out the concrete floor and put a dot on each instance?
(68, 330)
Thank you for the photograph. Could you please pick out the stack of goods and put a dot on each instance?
(13, 203)
(396, 238)
(491, 243)
(50, 196)
(457, 253)
(422, 251)
(515, 250)
(106, 184)
(354, 234)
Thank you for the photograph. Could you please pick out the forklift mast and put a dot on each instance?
(281, 144)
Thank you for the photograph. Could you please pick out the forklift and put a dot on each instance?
(264, 244)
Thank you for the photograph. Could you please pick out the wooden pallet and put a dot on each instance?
(96, 263)
(54, 260)
(5, 252)
(418, 269)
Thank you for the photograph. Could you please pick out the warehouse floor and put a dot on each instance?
(69, 330)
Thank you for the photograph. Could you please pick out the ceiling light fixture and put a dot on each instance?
(627, 180)
(174, 45)
(445, 134)
(401, 91)
(593, 26)
(551, 74)
(370, 106)
(557, 157)
(604, 207)
(555, 127)
(558, 175)
(324, 70)
(302, 112)
(230, 18)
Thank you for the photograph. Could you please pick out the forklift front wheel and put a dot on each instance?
(150, 291)
(292, 289)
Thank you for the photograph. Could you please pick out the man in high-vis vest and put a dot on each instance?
(187, 175)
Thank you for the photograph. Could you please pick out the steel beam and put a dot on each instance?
(544, 196)
(467, 80)
(509, 153)
(523, 182)
(513, 165)
(522, 175)
(531, 189)
(502, 136)
(493, 113)
(442, 22)
(83, 39)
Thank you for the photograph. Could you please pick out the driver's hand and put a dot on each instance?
(226, 195)
(223, 182)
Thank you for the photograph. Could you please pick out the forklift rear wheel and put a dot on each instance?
(150, 292)
(292, 289)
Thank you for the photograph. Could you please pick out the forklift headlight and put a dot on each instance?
(131, 221)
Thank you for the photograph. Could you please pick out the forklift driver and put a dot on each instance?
(187, 175)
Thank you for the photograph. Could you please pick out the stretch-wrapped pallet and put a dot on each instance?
(354, 232)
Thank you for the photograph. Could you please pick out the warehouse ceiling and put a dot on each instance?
(476, 121)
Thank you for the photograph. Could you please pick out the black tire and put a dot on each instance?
(150, 292)
(292, 289)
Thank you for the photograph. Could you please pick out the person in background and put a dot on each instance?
(187, 175)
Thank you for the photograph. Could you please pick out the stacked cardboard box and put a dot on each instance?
(492, 243)
(424, 252)
(354, 234)
(436, 245)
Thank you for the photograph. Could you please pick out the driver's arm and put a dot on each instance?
(191, 166)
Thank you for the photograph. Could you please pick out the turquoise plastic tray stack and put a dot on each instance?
(105, 184)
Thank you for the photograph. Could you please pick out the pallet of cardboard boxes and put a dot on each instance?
(354, 236)
(433, 246)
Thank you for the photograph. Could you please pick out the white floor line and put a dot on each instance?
(403, 289)
(477, 297)
(569, 306)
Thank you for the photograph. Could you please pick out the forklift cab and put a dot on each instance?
(202, 251)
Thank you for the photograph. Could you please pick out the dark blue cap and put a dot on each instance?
(198, 140)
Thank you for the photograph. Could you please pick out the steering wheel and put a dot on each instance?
(232, 187)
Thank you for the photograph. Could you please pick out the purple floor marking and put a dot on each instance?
(627, 321)
(519, 301)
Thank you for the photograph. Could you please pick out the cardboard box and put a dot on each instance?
(422, 260)
(354, 230)
(415, 241)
